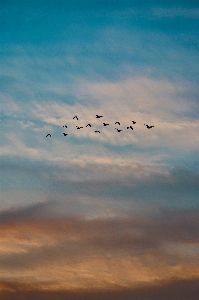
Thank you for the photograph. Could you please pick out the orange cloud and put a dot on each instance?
(172, 290)
(75, 253)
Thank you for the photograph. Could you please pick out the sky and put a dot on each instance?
(110, 214)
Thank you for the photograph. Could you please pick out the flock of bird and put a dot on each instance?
(105, 124)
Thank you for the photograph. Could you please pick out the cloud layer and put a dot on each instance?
(109, 253)
(89, 215)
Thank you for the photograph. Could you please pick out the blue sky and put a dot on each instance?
(126, 61)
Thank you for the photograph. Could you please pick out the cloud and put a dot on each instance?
(96, 217)
(93, 170)
(107, 180)
(175, 12)
(168, 225)
(173, 290)
(154, 102)
(144, 93)
(77, 252)
(23, 213)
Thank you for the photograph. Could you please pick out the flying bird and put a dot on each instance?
(133, 122)
(65, 126)
(88, 125)
(65, 134)
(148, 126)
(75, 117)
(105, 124)
(97, 131)
(48, 134)
(130, 127)
(118, 130)
(98, 116)
(117, 123)
(78, 127)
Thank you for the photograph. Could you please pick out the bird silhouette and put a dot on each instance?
(149, 127)
(104, 124)
(118, 130)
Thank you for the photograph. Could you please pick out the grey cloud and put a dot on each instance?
(21, 214)
(185, 177)
(109, 178)
(74, 237)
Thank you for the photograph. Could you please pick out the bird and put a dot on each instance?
(97, 131)
(133, 122)
(65, 126)
(65, 134)
(78, 127)
(48, 134)
(117, 123)
(130, 127)
(148, 126)
(98, 116)
(118, 130)
(105, 124)
(75, 117)
(88, 125)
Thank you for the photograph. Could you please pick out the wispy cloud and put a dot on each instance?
(148, 101)
(173, 12)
